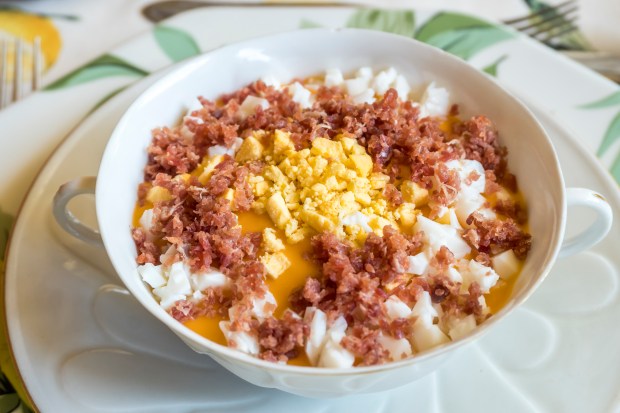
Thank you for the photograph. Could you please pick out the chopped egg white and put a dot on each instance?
(473, 271)
(216, 150)
(264, 307)
(152, 275)
(333, 354)
(367, 96)
(396, 308)
(418, 264)
(240, 340)
(333, 77)
(249, 105)
(317, 321)
(185, 132)
(423, 309)
(383, 81)
(398, 348)
(356, 219)
(437, 235)
(146, 221)
(365, 72)
(271, 80)
(209, 279)
(435, 101)
(460, 327)
(402, 87)
(506, 264)
(177, 286)
(300, 95)
(356, 86)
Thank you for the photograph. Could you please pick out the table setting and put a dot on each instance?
(74, 339)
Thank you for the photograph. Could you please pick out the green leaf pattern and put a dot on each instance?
(102, 67)
(612, 134)
(175, 43)
(393, 21)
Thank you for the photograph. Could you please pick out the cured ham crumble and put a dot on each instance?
(330, 221)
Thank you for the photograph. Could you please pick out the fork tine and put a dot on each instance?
(17, 73)
(551, 36)
(553, 30)
(36, 63)
(545, 10)
(557, 18)
(4, 81)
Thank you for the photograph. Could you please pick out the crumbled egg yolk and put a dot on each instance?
(315, 189)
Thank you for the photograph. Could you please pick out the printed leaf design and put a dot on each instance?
(6, 222)
(607, 101)
(175, 43)
(104, 66)
(393, 21)
(308, 24)
(611, 135)
(106, 98)
(461, 35)
(615, 168)
(492, 68)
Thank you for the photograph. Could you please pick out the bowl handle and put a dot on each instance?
(64, 217)
(597, 231)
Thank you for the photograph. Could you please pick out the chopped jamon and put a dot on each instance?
(495, 236)
(362, 342)
(280, 339)
(169, 152)
(148, 252)
(481, 144)
(393, 195)
(511, 209)
(199, 225)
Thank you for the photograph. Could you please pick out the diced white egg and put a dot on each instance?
(356, 86)
(384, 80)
(483, 304)
(506, 264)
(240, 340)
(300, 95)
(423, 309)
(402, 87)
(335, 356)
(365, 72)
(454, 275)
(467, 205)
(271, 80)
(216, 150)
(418, 264)
(454, 220)
(436, 235)
(194, 105)
(249, 105)
(426, 336)
(473, 271)
(197, 296)
(264, 307)
(356, 219)
(435, 101)
(146, 221)
(177, 286)
(152, 275)
(185, 132)
(168, 255)
(466, 168)
(398, 348)
(396, 308)
(209, 279)
(333, 77)
(460, 327)
(317, 321)
(368, 96)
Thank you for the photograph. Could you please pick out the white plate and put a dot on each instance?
(84, 345)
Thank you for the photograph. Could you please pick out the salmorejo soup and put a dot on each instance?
(330, 221)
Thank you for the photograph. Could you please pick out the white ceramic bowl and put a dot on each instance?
(299, 54)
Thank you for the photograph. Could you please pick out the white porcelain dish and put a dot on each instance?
(532, 159)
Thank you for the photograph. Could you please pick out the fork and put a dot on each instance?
(13, 88)
(554, 25)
